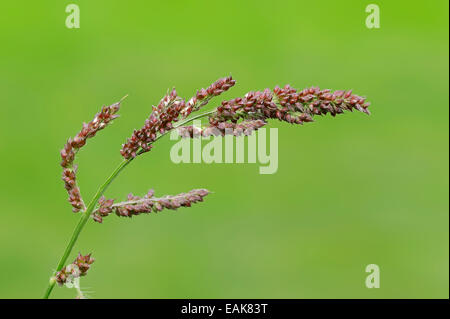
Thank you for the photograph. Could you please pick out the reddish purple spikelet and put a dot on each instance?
(78, 268)
(160, 120)
(100, 121)
(223, 128)
(203, 96)
(136, 205)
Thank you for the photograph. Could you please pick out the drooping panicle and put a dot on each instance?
(73, 145)
(136, 205)
(251, 112)
(289, 105)
(78, 268)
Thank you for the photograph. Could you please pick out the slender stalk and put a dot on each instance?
(90, 208)
(83, 220)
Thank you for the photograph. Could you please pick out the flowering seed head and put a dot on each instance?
(203, 96)
(78, 268)
(136, 205)
(170, 109)
(287, 104)
(100, 121)
(160, 120)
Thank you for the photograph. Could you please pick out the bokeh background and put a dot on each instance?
(349, 191)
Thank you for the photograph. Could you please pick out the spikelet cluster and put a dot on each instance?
(285, 104)
(78, 268)
(160, 120)
(170, 109)
(289, 105)
(136, 205)
(73, 145)
(222, 128)
(203, 96)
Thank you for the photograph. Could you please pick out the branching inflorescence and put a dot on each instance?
(237, 116)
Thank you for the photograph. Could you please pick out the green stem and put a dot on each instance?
(83, 220)
(90, 208)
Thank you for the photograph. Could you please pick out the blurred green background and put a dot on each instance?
(349, 191)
